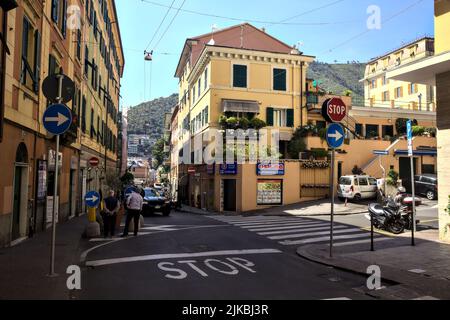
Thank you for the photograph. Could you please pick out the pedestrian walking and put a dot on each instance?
(134, 208)
(111, 207)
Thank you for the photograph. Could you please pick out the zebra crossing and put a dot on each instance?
(290, 231)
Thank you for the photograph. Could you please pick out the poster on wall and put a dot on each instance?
(270, 192)
(50, 210)
(42, 180)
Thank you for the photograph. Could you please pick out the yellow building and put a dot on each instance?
(43, 38)
(379, 91)
(435, 71)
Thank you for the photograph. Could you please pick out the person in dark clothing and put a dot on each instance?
(111, 208)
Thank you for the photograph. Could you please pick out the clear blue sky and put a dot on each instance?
(330, 27)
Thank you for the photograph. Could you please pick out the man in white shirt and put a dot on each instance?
(134, 208)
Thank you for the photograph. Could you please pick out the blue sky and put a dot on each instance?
(332, 27)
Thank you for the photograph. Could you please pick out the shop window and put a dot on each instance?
(372, 131)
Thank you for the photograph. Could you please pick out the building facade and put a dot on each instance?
(44, 38)
(435, 71)
(380, 91)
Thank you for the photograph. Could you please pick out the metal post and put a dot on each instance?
(372, 245)
(332, 204)
(55, 192)
(413, 184)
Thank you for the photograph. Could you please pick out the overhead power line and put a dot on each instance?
(160, 25)
(283, 22)
(170, 24)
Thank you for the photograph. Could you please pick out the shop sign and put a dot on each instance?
(228, 169)
(270, 169)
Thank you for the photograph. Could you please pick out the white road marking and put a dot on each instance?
(272, 223)
(312, 234)
(180, 255)
(300, 230)
(418, 271)
(343, 244)
(295, 226)
(322, 239)
(427, 298)
(338, 299)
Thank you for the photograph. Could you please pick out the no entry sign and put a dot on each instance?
(334, 110)
(94, 162)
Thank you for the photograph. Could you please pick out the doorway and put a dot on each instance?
(72, 194)
(405, 172)
(20, 197)
(229, 195)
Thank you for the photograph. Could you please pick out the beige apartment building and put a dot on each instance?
(43, 38)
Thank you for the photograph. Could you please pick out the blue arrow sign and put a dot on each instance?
(57, 119)
(92, 199)
(335, 136)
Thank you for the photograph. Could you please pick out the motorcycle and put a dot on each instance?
(395, 215)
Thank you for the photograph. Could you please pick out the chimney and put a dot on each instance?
(263, 29)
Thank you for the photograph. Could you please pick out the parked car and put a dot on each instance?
(155, 202)
(158, 186)
(357, 188)
(427, 185)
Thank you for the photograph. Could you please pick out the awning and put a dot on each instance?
(432, 153)
(8, 4)
(240, 106)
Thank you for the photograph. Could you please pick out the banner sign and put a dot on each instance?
(270, 169)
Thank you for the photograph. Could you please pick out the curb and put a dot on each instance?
(428, 285)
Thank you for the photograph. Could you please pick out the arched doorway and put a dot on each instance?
(20, 196)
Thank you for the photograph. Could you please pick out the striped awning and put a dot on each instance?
(240, 106)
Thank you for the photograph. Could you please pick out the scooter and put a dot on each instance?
(395, 215)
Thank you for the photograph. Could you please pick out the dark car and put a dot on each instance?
(155, 202)
(427, 185)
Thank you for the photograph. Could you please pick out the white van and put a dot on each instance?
(357, 188)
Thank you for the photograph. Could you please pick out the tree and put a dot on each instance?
(158, 152)
(297, 144)
(127, 179)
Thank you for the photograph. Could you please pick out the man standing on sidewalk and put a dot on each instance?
(134, 208)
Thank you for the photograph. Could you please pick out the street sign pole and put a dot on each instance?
(413, 182)
(55, 193)
(333, 155)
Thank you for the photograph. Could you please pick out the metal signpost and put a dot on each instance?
(409, 126)
(57, 120)
(92, 199)
(335, 139)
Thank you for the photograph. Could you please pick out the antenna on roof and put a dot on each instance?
(214, 28)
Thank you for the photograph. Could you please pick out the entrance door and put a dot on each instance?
(16, 204)
(405, 172)
(72, 194)
(229, 195)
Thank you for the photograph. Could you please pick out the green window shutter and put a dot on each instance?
(64, 19)
(269, 117)
(37, 60)
(239, 76)
(279, 79)
(290, 118)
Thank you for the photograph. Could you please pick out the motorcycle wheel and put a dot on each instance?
(396, 227)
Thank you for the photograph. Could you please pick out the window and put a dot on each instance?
(98, 128)
(363, 182)
(199, 87)
(385, 81)
(385, 96)
(31, 56)
(83, 115)
(92, 132)
(373, 182)
(206, 78)
(372, 131)
(398, 92)
(279, 79)
(321, 124)
(413, 88)
(373, 84)
(239, 76)
(86, 61)
(281, 118)
(388, 131)
(359, 129)
(79, 44)
(95, 25)
(193, 95)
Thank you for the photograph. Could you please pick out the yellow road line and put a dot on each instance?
(384, 233)
(428, 221)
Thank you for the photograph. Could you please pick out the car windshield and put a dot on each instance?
(151, 193)
(345, 181)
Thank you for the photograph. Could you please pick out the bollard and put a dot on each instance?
(93, 228)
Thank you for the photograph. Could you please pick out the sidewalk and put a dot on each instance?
(308, 209)
(420, 271)
(23, 268)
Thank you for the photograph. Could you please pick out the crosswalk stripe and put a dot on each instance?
(286, 228)
(274, 224)
(271, 221)
(350, 243)
(300, 230)
(322, 239)
(313, 234)
(240, 218)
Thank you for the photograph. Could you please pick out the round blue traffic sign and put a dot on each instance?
(57, 119)
(92, 199)
(335, 136)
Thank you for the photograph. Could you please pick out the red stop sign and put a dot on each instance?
(336, 110)
(94, 162)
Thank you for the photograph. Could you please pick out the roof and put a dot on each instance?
(242, 36)
(400, 48)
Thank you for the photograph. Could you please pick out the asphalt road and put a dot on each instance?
(187, 256)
